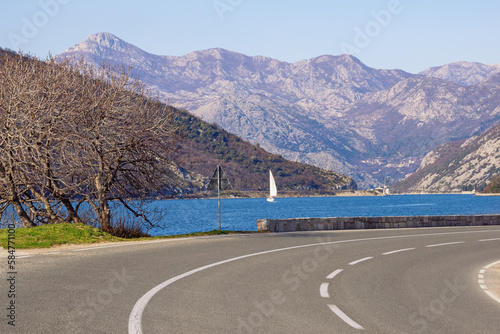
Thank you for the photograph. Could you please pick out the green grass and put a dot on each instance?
(55, 234)
(46, 236)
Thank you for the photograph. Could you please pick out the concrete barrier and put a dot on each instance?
(346, 223)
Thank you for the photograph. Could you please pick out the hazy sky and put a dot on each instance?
(408, 34)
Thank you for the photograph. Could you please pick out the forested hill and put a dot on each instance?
(203, 146)
(494, 186)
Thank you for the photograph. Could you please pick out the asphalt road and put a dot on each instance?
(380, 281)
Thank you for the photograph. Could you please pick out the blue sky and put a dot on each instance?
(408, 34)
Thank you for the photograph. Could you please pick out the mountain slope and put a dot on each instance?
(463, 73)
(428, 110)
(494, 186)
(204, 146)
(456, 166)
(330, 111)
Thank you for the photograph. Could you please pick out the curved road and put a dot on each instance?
(427, 280)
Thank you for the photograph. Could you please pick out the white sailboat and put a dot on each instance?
(273, 191)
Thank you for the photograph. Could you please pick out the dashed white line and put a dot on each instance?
(344, 317)
(360, 260)
(495, 239)
(335, 273)
(323, 290)
(398, 251)
(483, 286)
(445, 244)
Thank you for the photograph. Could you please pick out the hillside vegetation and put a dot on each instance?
(204, 146)
(494, 186)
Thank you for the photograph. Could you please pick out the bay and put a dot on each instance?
(241, 214)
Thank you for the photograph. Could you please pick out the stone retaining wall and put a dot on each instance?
(345, 223)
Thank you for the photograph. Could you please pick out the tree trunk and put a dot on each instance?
(25, 219)
(14, 199)
(72, 214)
(104, 215)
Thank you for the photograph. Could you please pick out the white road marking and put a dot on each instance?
(491, 265)
(135, 318)
(344, 317)
(335, 273)
(490, 239)
(492, 296)
(483, 286)
(446, 244)
(398, 251)
(323, 290)
(24, 256)
(360, 260)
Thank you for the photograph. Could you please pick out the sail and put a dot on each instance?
(272, 186)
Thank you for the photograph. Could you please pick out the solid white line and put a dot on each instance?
(24, 256)
(360, 260)
(446, 244)
(491, 265)
(135, 318)
(397, 251)
(323, 290)
(492, 295)
(335, 273)
(344, 317)
(490, 239)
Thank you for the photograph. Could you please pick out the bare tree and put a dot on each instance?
(127, 141)
(73, 133)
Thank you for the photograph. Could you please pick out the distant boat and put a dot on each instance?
(273, 191)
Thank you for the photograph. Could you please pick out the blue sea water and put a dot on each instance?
(186, 216)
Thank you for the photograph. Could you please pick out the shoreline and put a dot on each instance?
(345, 193)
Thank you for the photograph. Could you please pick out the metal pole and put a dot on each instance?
(218, 191)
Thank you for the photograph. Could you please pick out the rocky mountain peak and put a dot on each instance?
(105, 45)
(108, 40)
(463, 72)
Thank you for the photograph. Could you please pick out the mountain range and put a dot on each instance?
(334, 112)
